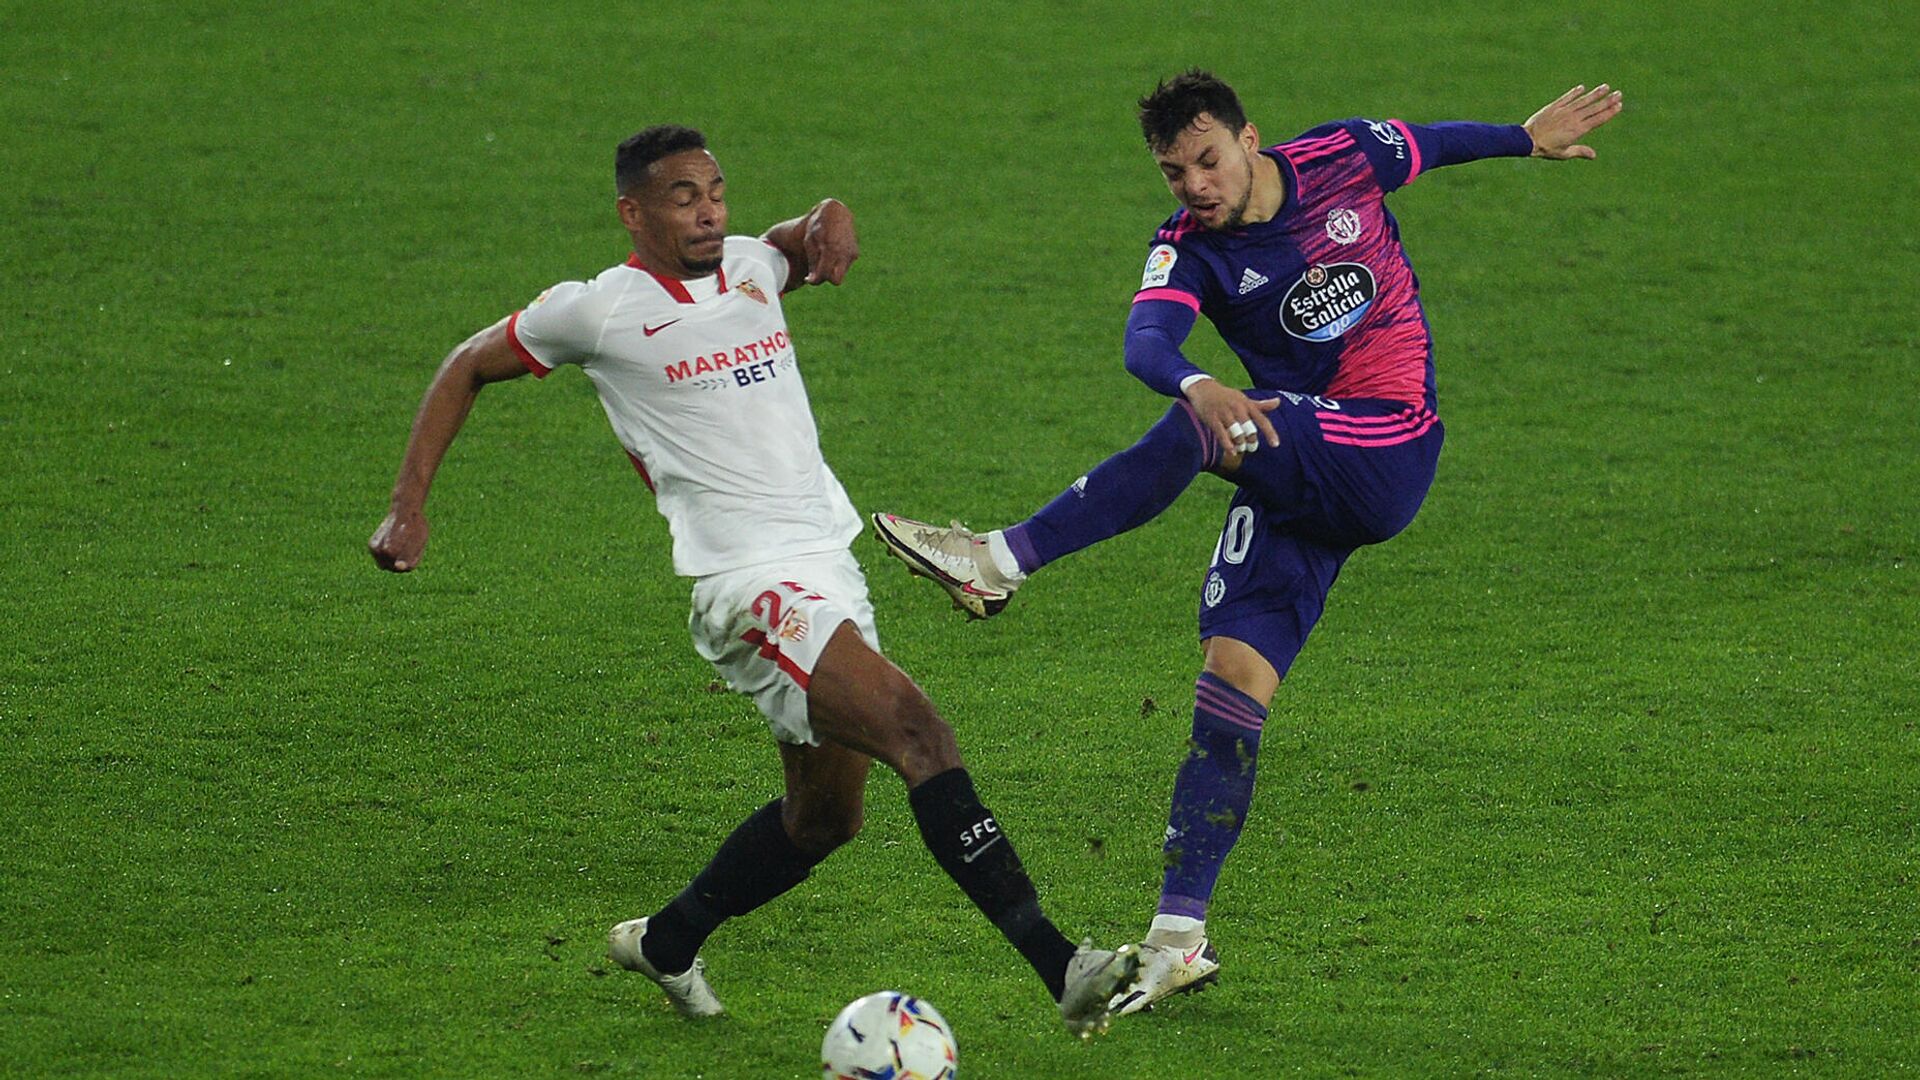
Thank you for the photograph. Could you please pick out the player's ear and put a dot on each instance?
(1250, 137)
(630, 213)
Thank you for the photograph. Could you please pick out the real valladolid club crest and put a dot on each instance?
(1343, 226)
(751, 291)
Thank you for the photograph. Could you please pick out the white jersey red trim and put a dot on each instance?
(701, 384)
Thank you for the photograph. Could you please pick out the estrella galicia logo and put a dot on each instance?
(1327, 301)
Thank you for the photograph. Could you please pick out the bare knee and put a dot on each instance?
(1243, 668)
(922, 742)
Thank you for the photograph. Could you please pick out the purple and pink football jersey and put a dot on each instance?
(1321, 298)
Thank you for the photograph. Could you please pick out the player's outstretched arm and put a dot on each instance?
(487, 356)
(1561, 123)
(819, 245)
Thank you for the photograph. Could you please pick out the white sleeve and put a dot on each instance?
(558, 327)
(755, 249)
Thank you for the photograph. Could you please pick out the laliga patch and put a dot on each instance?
(1327, 301)
(541, 299)
(1159, 266)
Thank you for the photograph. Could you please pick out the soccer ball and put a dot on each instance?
(888, 1036)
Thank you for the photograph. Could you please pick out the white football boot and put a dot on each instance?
(955, 557)
(1166, 970)
(689, 992)
(1094, 976)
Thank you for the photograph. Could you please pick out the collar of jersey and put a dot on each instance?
(1289, 202)
(1289, 178)
(673, 286)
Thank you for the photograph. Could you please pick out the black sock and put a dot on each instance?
(754, 865)
(967, 843)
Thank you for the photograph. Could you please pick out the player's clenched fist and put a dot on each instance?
(831, 244)
(396, 545)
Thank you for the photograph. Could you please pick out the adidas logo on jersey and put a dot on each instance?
(1251, 280)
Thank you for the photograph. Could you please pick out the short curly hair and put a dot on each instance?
(1174, 104)
(643, 148)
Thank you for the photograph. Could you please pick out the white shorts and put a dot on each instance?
(763, 629)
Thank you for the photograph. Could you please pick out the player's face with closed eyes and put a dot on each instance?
(1209, 168)
(678, 218)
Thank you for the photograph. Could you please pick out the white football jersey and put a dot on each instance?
(700, 382)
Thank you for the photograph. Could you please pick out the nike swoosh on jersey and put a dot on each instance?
(652, 330)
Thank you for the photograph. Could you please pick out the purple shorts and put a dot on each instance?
(1346, 474)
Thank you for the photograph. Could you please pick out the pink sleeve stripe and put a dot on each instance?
(1178, 296)
(1413, 150)
(540, 370)
(1307, 149)
(1301, 153)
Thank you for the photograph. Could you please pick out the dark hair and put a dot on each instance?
(643, 148)
(1176, 102)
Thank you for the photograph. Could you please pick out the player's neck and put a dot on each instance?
(664, 264)
(668, 268)
(1269, 191)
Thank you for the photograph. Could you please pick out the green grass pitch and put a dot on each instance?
(1607, 767)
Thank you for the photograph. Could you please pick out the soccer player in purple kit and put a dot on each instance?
(1292, 254)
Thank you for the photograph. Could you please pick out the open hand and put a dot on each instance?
(1560, 124)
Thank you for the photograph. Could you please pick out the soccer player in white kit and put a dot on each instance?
(687, 345)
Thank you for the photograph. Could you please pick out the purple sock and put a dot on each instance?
(1211, 794)
(1128, 489)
